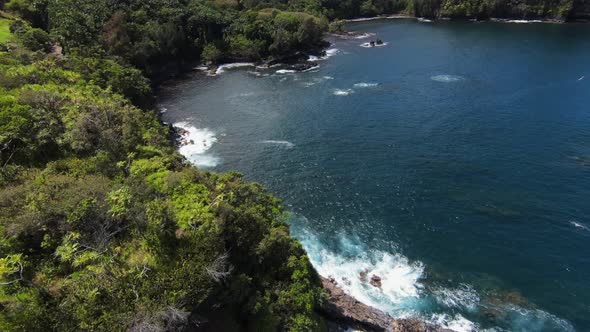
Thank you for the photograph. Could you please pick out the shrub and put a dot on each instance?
(36, 40)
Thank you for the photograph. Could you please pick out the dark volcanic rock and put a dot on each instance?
(293, 58)
(303, 66)
(363, 275)
(344, 310)
(375, 281)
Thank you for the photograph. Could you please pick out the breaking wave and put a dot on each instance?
(342, 92)
(329, 53)
(424, 20)
(524, 21)
(462, 297)
(368, 45)
(578, 225)
(404, 289)
(365, 85)
(317, 80)
(355, 35)
(287, 144)
(224, 67)
(285, 71)
(455, 322)
(195, 143)
(353, 265)
(447, 78)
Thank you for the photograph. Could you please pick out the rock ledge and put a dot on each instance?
(345, 311)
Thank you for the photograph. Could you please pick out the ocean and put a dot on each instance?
(453, 162)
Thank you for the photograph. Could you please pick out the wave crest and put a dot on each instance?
(195, 143)
(287, 144)
(447, 78)
(353, 265)
(342, 92)
(224, 67)
(365, 85)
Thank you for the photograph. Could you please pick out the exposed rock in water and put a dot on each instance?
(303, 66)
(375, 281)
(363, 275)
(293, 58)
(345, 311)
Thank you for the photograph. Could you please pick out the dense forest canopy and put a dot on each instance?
(155, 35)
(103, 225)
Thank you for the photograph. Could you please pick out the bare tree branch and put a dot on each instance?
(220, 268)
(20, 278)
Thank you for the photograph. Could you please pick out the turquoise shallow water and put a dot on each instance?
(454, 163)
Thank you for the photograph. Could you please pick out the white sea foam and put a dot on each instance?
(286, 144)
(311, 69)
(463, 297)
(368, 45)
(196, 142)
(456, 323)
(258, 74)
(578, 225)
(447, 78)
(317, 80)
(399, 276)
(342, 92)
(536, 320)
(285, 71)
(524, 21)
(329, 53)
(352, 264)
(364, 19)
(581, 78)
(224, 67)
(365, 85)
(355, 35)
(201, 68)
(383, 17)
(163, 110)
(363, 35)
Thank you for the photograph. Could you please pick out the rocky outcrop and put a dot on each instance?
(345, 311)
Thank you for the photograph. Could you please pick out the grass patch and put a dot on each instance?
(5, 34)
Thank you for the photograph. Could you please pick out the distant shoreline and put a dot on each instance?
(491, 19)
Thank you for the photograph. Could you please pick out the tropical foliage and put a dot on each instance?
(104, 227)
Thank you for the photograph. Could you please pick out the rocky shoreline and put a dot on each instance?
(344, 312)
(490, 19)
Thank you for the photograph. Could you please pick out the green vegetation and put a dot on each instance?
(104, 227)
(158, 35)
(5, 34)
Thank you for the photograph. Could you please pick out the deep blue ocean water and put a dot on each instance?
(453, 162)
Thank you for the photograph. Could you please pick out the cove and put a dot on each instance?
(453, 162)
